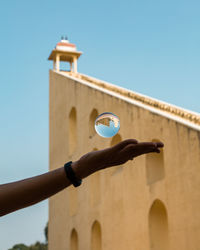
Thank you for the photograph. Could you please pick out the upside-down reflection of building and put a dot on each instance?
(107, 121)
(150, 203)
(104, 121)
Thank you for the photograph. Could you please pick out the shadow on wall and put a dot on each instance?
(155, 166)
(96, 236)
(72, 131)
(158, 226)
(116, 139)
(74, 240)
(93, 116)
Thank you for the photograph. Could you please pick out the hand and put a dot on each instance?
(113, 156)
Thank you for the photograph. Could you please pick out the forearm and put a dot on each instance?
(20, 194)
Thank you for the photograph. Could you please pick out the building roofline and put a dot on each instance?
(64, 54)
(183, 116)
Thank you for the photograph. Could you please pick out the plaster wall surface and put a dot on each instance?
(150, 203)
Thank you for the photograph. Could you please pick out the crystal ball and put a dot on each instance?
(107, 124)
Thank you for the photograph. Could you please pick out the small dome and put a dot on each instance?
(64, 45)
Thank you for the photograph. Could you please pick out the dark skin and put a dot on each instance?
(21, 194)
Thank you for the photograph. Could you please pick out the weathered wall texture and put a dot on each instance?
(152, 202)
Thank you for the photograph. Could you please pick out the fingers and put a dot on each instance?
(159, 144)
(134, 150)
(124, 143)
(149, 147)
(152, 144)
(127, 142)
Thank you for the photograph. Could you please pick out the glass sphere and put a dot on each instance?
(107, 124)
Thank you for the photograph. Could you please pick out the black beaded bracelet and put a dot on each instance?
(71, 175)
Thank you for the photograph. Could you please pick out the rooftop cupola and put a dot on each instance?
(66, 52)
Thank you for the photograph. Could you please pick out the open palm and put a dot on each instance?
(116, 155)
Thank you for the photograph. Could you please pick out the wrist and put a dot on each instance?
(81, 170)
(76, 168)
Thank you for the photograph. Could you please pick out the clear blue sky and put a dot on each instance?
(152, 47)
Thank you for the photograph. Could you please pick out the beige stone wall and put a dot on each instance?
(152, 202)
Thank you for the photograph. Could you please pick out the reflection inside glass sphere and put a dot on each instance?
(107, 124)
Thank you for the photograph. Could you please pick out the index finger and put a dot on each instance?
(159, 144)
(152, 144)
(124, 143)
